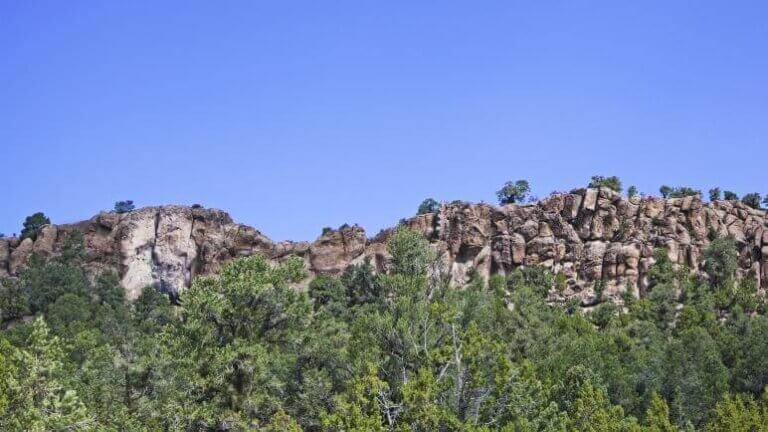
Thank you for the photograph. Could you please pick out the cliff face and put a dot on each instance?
(588, 235)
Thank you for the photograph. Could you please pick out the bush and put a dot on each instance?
(611, 182)
(665, 190)
(32, 225)
(47, 281)
(512, 193)
(632, 192)
(327, 230)
(429, 205)
(124, 206)
(730, 196)
(13, 300)
(714, 194)
(752, 200)
(721, 261)
(684, 191)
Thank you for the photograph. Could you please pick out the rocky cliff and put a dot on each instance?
(588, 235)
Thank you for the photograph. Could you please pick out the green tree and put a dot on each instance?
(730, 196)
(33, 224)
(592, 412)
(657, 418)
(612, 182)
(721, 261)
(281, 422)
(684, 191)
(665, 190)
(752, 200)
(429, 205)
(45, 281)
(38, 400)
(361, 407)
(714, 194)
(124, 206)
(13, 299)
(632, 192)
(739, 414)
(696, 377)
(512, 193)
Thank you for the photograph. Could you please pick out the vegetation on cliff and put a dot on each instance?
(403, 351)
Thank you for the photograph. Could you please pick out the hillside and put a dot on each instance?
(587, 235)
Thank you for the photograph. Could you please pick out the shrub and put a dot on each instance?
(33, 224)
(730, 196)
(47, 281)
(327, 230)
(611, 182)
(632, 192)
(512, 193)
(196, 206)
(13, 300)
(752, 200)
(714, 194)
(429, 205)
(665, 190)
(721, 260)
(124, 206)
(684, 191)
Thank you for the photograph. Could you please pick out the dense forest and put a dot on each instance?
(402, 351)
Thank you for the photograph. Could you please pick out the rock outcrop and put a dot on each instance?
(588, 235)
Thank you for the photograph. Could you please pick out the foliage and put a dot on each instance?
(429, 205)
(371, 351)
(752, 200)
(611, 182)
(714, 194)
(512, 193)
(13, 299)
(124, 206)
(632, 191)
(683, 191)
(678, 192)
(730, 196)
(33, 224)
(721, 261)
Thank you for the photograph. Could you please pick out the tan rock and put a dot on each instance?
(19, 256)
(590, 199)
(45, 241)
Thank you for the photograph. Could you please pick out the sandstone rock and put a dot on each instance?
(332, 252)
(20, 255)
(45, 241)
(137, 233)
(590, 199)
(588, 235)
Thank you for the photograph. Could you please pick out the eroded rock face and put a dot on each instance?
(588, 235)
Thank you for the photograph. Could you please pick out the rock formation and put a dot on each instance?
(588, 235)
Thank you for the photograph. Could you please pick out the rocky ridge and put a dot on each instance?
(588, 235)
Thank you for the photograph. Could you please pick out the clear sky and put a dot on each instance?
(294, 115)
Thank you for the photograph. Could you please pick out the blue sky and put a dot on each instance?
(297, 115)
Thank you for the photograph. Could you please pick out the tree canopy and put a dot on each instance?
(366, 351)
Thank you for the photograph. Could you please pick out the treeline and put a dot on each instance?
(402, 351)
